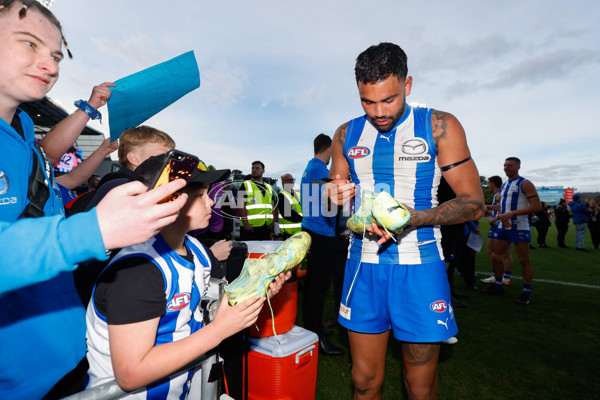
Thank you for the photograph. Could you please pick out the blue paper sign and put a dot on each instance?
(140, 96)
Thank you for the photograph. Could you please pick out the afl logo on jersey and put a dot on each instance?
(438, 306)
(358, 152)
(3, 183)
(180, 300)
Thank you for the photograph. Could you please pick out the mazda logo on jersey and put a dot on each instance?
(358, 152)
(415, 150)
(414, 147)
(180, 300)
(438, 306)
(3, 183)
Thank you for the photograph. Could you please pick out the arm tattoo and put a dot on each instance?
(439, 121)
(455, 211)
(342, 134)
(419, 353)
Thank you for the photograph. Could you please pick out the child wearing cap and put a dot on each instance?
(143, 320)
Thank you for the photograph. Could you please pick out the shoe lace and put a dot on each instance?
(264, 254)
(362, 250)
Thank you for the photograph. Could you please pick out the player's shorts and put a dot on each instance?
(512, 234)
(413, 300)
(493, 229)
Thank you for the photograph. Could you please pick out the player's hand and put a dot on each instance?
(130, 214)
(340, 191)
(277, 284)
(100, 94)
(488, 211)
(383, 235)
(222, 249)
(505, 216)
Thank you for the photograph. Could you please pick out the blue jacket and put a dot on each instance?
(42, 320)
(316, 216)
(581, 212)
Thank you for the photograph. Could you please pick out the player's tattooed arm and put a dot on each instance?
(463, 208)
(439, 125)
(340, 190)
(340, 134)
(463, 178)
(339, 164)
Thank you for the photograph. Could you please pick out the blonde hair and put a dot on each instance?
(136, 137)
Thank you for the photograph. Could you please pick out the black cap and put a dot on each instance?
(147, 171)
(208, 177)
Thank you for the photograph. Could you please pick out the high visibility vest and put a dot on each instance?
(259, 205)
(285, 225)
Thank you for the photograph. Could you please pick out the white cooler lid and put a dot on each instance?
(262, 246)
(292, 341)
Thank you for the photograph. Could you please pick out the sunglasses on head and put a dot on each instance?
(202, 166)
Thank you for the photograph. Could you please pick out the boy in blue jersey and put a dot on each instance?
(143, 319)
(42, 334)
(401, 284)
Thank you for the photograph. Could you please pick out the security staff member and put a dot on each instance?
(289, 208)
(256, 197)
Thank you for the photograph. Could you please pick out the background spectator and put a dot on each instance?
(593, 224)
(581, 216)
(542, 224)
(562, 216)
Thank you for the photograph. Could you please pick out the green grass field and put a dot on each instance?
(547, 350)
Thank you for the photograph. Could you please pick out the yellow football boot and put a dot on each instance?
(363, 217)
(389, 213)
(258, 273)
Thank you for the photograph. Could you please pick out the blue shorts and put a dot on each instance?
(493, 229)
(413, 300)
(512, 234)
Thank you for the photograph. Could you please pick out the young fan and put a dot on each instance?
(143, 319)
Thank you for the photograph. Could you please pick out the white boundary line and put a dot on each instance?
(549, 281)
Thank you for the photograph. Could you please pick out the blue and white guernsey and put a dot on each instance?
(185, 283)
(402, 162)
(494, 225)
(512, 198)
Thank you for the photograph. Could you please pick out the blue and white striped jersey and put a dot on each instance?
(185, 283)
(513, 198)
(402, 162)
(495, 213)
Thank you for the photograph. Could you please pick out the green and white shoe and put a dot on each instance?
(389, 213)
(363, 217)
(258, 273)
(382, 209)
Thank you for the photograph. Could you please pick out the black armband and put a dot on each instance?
(448, 167)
